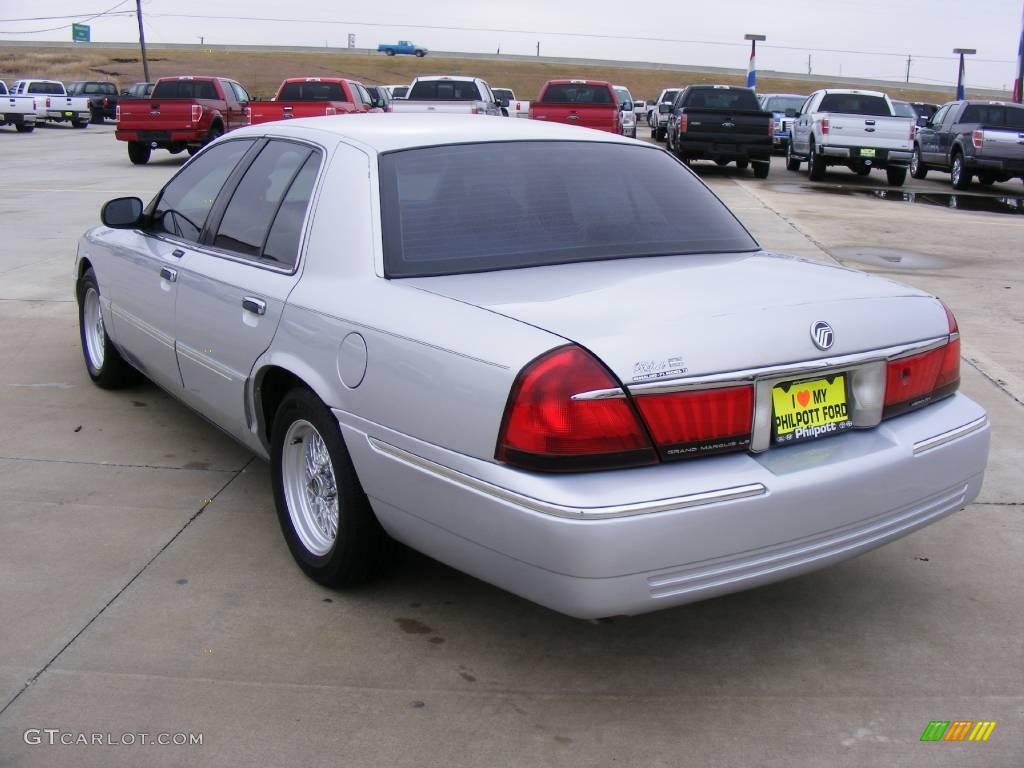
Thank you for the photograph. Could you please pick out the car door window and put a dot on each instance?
(247, 218)
(186, 201)
(939, 117)
(240, 93)
(282, 244)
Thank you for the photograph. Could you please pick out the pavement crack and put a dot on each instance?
(28, 683)
(999, 385)
(119, 466)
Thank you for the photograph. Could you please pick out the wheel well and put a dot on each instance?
(83, 265)
(271, 387)
(217, 123)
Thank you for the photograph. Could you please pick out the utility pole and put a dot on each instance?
(538, 47)
(908, 67)
(808, 63)
(142, 41)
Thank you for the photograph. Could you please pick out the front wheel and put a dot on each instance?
(323, 511)
(917, 166)
(896, 176)
(103, 362)
(958, 175)
(138, 152)
(421, 54)
(761, 170)
(390, 53)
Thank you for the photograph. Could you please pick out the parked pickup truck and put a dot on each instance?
(445, 94)
(402, 48)
(312, 97)
(102, 96)
(510, 105)
(857, 129)
(723, 123)
(659, 120)
(19, 111)
(182, 113)
(586, 103)
(783, 107)
(968, 138)
(53, 103)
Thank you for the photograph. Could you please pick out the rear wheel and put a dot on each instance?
(323, 511)
(917, 166)
(138, 152)
(79, 123)
(25, 127)
(214, 133)
(421, 54)
(815, 164)
(987, 179)
(896, 176)
(862, 170)
(761, 170)
(958, 175)
(97, 117)
(103, 362)
(792, 161)
(390, 53)
(744, 164)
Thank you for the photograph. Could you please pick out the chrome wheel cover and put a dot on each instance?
(92, 328)
(310, 488)
(957, 169)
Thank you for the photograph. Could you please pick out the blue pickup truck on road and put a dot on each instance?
(402, 47)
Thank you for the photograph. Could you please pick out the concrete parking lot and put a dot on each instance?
(145, 586)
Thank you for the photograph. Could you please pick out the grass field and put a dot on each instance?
(262, 72)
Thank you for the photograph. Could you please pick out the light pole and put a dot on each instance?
(752, 66)
(960, 88)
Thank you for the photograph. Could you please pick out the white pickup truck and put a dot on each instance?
(857, 129)
(510, 105)
(19, 111)
(659, 120)
(446, 94)
(53, 103)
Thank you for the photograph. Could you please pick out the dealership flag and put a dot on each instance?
(960, 80)
(1018, 86)
(752, 66)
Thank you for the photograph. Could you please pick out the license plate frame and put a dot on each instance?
(825, 413)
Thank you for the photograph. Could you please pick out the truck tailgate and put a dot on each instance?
(717, 126)
(602, 117)
(267, 111)
(1002, 143)
(441, 107)
(869, 131)
(156, 114)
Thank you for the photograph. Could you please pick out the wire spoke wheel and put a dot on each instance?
(310, 487)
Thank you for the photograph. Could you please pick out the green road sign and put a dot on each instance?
(80, 33)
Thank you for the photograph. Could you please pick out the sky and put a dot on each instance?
(859, 38)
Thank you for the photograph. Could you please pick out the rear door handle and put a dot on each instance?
(254, 305)
(168, 274)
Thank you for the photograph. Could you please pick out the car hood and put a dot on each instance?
(666, 317)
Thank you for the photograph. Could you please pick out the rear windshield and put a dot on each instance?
(994, 116)
(782, 103)
(45, 87)
(722, 98)
(576, 93)
(184, 89)
(312, 92)
(444, 90)
(903, 109)
(543, 202)
(504, 93)
(855, 104)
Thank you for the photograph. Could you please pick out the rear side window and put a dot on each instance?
(994, 116)
(312, 92)
(855, 104)
(247, 220)
(400, 92)
(722, 98)
(576, 93)
(543, 203)
(184, 89)
(185, 202)
(445, 90)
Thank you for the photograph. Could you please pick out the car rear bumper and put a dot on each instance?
(713, 150)
(163, 138)
(19, 117)
(67, 114)
(881, 158)
(1013, 167)
(627, 542)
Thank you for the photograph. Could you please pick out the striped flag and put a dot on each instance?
(960, 80)
(1018, 84)
(752, 66)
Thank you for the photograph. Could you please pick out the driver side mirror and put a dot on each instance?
(122, 213)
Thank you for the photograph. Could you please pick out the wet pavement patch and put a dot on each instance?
(974, 203)
(892, 258)
(413, 627)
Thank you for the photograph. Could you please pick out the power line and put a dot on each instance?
(108, 12)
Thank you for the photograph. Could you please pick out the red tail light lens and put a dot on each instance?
(824, 126)
(911, 382)
(771, 127)
(684, 124)
(117, 113)
(978, 139)
(545, 429)
(47, 102)
(699, 422)
(197, 112)
(329, 110)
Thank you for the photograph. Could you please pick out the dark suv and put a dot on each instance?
(102, 97)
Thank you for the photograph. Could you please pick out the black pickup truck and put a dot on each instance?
(968, 138)
(102, 95)
(723, 123)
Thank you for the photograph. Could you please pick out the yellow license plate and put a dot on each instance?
(867, 153)
(807, 410)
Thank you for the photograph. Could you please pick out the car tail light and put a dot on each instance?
(474, 110)
(911, 382)
(117, 113)
(197, 113)
(913, 131)
(106, 101)
(546, 427)
(248, 115)
(771, 127)
(699, 422)
(978, 139)
(684, 124)
(824, 126)
(47, 102)
(329, 110)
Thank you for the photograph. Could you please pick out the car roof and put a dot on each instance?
(386, 132)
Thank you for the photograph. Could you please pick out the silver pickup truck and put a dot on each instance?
(448, 94)
(53, 103)
(857, 129)
(19, 111)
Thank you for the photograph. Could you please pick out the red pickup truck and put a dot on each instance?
(588, 103)
(182, 113)
(313, 97)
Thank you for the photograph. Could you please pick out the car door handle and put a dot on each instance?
(177, 253)
(254, 305)
(168, 274)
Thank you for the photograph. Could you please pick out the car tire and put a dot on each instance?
(792, 161)
(213, 134)
(390, 53)
(917, 167)
(862, 170)
(662, 133)
(138, 152)
(958, 175)
(896, 176)
(324, 513)
(24, 128)
(761, 170)
(986, 179)
(97, 117)
(744, 164)
(815, 164)
(79, 123)
(103, 362)
(192, 150)
(421, 54)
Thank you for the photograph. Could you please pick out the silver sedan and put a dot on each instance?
(546, 356)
